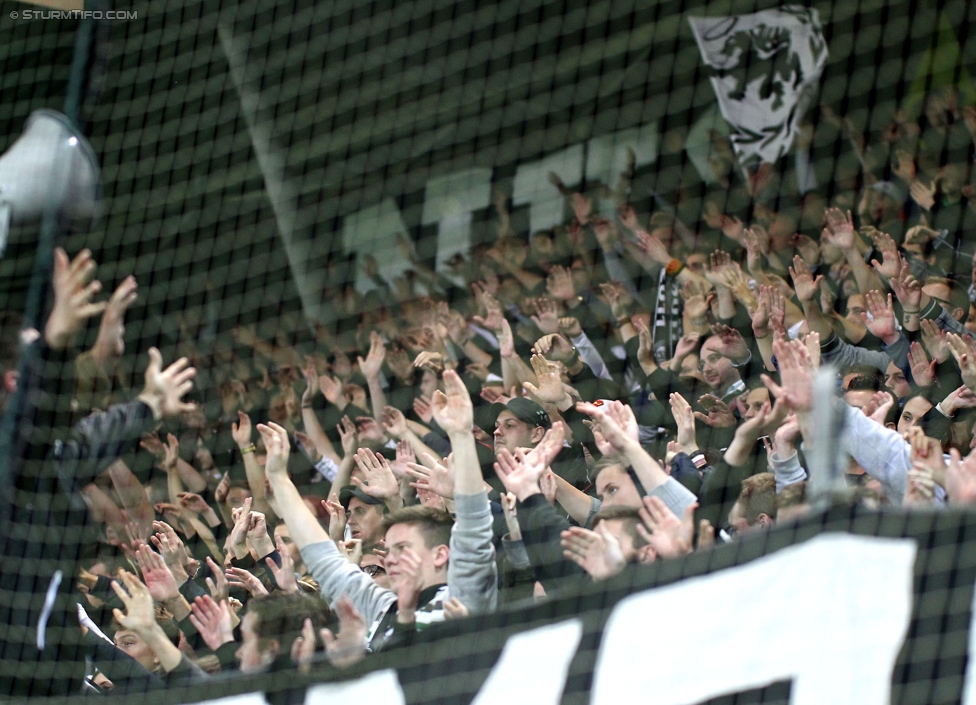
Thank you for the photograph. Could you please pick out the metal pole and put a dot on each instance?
(826, 482)
(44, 255)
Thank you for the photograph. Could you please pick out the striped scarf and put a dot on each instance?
(666, 326)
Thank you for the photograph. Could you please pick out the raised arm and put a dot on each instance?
(336, 575)
(241, 432)
(472, 572)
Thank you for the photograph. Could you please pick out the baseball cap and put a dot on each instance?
(349, 491)
(525, 410)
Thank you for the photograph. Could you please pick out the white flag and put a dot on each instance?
(766, 67)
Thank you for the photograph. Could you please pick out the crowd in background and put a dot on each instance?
(629, 387)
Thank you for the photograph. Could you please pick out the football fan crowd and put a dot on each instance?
(628, 387)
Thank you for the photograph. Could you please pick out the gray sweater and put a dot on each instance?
(471, 574)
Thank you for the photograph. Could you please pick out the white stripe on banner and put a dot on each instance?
(243, 699)
(831, 614)
(969, 685)
(533, 665)
(379, 687)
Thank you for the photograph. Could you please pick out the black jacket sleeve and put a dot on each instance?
(541, 526)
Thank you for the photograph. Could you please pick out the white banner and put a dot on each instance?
(766, 67)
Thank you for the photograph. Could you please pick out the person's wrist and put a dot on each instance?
(263, 547)
(524, 492)
(947, 408)
(154, 402)
(249, 448)
(891, 338)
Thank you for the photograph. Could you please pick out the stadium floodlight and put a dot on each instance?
(51, 167)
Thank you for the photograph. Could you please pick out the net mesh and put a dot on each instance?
(283, 179)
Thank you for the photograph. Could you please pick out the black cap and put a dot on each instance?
(525, 410)
(350, 491)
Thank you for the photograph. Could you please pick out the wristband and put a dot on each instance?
(248, 449)
(673, 267)
(306, 406)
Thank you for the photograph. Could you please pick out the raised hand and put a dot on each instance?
(409, 584)
(547, 318)
(157, 576)
(796, 373)
(685, 419)
(597, 552)
(804, 283)
(554, 347)
(617, 423)
(110, 343)
(285, 575)
(172, 550)
(404, 456)
(434, 477)
(421, 407)
(165, 389)
(277, 446)
(332, 390)
(452, 408)
(455, 609)
(732, 345)
(877, 407)
(560, 284)
(839, 230)
(212, 619)
(882, 321)
(193, 502)
(311, 381)
(686, 345)
(349, 646)
(519, 477)
(242, 523)
(652, 247)
(380, 481)
(371, 366)
(923, 194)
(719, 414)
(964, 350)
(923, 372)
(719, 263)
(933, 337)
(907, 289)
(550, 387)
(960, 478)
(171, 454)
(74, 289)
(506, 341)
(348, 436)
(493, 313)
(668, 535)
(337, 517)
(217, 585)
(428, 359)
(618, 297)
(140, 614)
(394, 422)
(890, 264)
(238, 577)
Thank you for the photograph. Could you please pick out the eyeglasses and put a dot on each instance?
(710, 360)
(373, 570)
